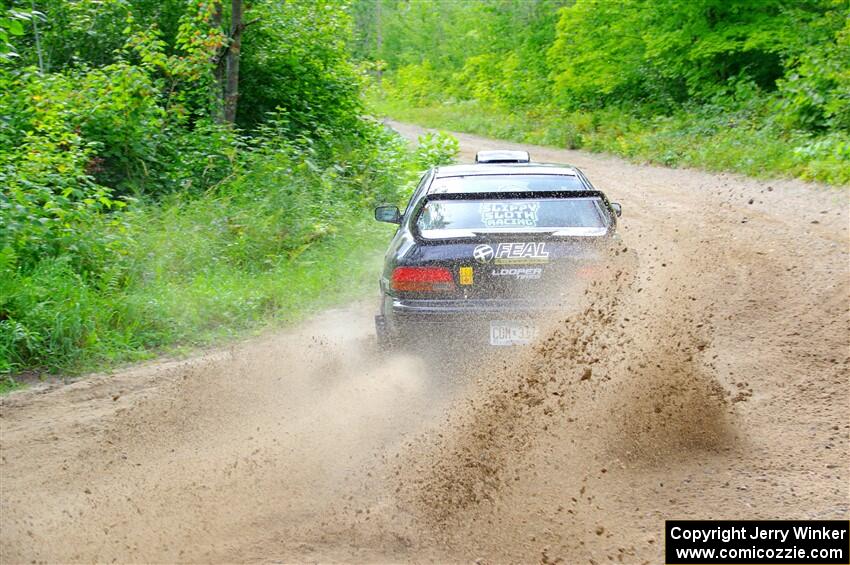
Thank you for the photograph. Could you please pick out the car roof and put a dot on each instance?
(504, 169)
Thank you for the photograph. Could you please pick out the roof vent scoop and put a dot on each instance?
(502, 156)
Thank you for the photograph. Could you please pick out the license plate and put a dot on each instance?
(511, 333)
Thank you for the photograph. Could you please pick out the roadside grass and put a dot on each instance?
(709, 138)
(288, 233)
(175, 306)
(8, 384)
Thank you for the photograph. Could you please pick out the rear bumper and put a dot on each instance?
(458, 322)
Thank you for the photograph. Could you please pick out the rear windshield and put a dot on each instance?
(506, 183)
(466, 218)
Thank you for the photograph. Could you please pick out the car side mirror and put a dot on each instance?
(618, 209)
(389, 214)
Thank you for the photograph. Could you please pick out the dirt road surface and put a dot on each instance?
(707, 379)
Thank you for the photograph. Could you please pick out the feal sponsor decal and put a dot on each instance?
(528, 253)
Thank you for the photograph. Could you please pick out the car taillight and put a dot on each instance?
(422, 279)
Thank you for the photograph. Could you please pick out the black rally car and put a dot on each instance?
(483, 249)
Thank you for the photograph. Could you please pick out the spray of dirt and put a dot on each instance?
(626, 378)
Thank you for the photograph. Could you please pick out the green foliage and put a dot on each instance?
(416, 84)
(187, 285)
(710, 138)
(494, 50)
(50, 203)
(287, 233)
(597, 54)
(816, 93)
(131, 219)
(295, 58)
(437, 148)
(8, 384)
(94, 32)
(12, 25)
(628, 51)
(760, 87)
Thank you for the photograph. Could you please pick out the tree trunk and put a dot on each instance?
(37, 38)
(379, 39)
(218, 71)
(231, 90)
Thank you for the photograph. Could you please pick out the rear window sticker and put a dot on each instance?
(509, 214)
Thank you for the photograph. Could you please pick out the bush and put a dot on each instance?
(130, 219)
(434, 149)
(816, 93)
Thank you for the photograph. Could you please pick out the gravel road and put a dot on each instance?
(709, 378)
